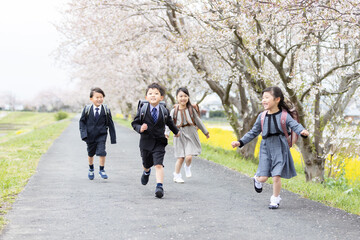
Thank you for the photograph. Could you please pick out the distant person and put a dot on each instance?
(150, 122)
(275, 159)
(94, 124)
(187, 119)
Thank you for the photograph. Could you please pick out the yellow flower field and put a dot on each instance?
(218, 138)
(223, 138)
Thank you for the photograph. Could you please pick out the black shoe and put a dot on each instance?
(159, 192)
(257, 185)
(145, 178)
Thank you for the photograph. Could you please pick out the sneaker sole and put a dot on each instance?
(274, 207)
(179, 182)
(103, 177)
(159, 194)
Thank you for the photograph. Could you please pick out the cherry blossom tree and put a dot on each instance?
(116, 44)
(310, 49)
(235, 48)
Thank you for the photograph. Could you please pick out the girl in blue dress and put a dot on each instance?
(275, 159)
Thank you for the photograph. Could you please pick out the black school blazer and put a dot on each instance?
(96, 131)
(155, 132)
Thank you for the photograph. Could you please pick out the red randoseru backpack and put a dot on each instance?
(293, 137)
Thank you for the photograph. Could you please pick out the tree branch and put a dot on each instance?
(338, 67)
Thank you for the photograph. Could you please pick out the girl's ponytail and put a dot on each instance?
(289, 107)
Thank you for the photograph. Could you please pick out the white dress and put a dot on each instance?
(188, 143)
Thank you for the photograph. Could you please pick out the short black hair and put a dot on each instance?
(98, 90)
(158, 87)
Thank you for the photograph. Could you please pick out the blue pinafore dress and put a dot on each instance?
(274, 158)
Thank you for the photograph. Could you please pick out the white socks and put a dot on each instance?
(187, 170)
(257, 183)
(275, 201)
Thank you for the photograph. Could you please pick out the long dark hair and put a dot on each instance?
(186, 91)
(288, 106)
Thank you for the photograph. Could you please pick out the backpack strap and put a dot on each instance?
(191, 112)
(142, 107)
(87, 111)
(106, 114)
(196, 107)
(106, 109)
(176, 107)
(284, 114)
(295, 116)
(164, 111)
(263, 114)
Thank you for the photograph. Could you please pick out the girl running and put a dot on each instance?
(275, 159)
(187, 145)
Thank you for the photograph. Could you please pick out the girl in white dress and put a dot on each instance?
(187, 145)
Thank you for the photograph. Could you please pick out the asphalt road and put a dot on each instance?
(59, 202)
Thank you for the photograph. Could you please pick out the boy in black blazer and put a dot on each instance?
(94, 123)
(152, 131)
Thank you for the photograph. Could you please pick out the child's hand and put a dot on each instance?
(177, 135)
(167, 136)
(143, 127)
(207, 136)
(235, 144)
(304, 133)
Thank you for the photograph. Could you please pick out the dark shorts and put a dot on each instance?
(97, 148)
(152, 158)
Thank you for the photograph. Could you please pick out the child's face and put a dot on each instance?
(97, 99)
(182, 98)
(154, 96)
(269, 101)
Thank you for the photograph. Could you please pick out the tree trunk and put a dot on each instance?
(248, 150)
(314, 165)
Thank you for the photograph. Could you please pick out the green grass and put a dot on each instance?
(123, 122)
(21, 149)
(336, 196)
(331, 196)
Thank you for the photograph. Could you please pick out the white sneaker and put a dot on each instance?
(187, 170)
(178, 178)
(274, 202)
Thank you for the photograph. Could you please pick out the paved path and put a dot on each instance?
(59, 202)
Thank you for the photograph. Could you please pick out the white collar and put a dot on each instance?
(95, 110)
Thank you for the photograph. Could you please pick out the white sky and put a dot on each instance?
(27, 39)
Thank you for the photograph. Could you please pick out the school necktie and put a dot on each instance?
(97, 113)
(154, 114)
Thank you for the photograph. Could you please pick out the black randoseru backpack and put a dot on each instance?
(143, 105)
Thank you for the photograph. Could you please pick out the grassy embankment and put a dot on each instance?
(335, 193)
(24, 137)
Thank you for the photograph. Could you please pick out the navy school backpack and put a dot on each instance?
(143, 105)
